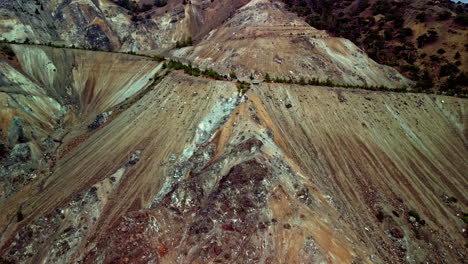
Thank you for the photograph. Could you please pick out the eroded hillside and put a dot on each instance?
(190, 171)
(108, 157)
(45, 92)
(106, 25)
(422, 39)
(248, 37)
(425, 40)
(262, 38)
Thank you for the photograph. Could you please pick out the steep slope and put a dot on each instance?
(425, 40)
(262, 178)
(248, 37)
(113, 158)
(51, 91)
(386, 159)
(105, 25)
(263, 38)
(94, 81)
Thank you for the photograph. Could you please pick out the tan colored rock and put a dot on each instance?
(246, 168)
(261, 37)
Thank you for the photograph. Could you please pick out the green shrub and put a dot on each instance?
(435, 58)
(428, 37)
(444, 15)
(448, 69)
(421, 17)
(302, 81)
(185, 43)
(210, 73)
(425, 82)
(243, 86)
(410, 68)
(328, 82)
(160, 3)
(159, 58)
(415, 214)
(3, 151)
(8, 51)
(462, 19)
(233, 75)
(176, 65)
(405, 32)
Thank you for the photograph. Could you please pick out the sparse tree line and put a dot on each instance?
(192, 70)
(388, 41)
(419, 88)
(329, 83)
(422, 86)
(63, 46)
(179, 44)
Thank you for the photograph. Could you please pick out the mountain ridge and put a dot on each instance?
(108, 157)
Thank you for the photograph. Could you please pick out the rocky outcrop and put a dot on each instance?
(247, 37)
(51, 92)
(110, 158)
(261, 37)
(192, 172)
(107, 26)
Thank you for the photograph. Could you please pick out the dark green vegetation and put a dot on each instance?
(462, 19)
(136, 8)
(185, 43)
(8, 51)
(3, 151)
(424, 85)
(53, 45)
(427, 38)
(193, 71)
(317, 82)
(390, 40)
(414, 214)
(243, 86)
(159, 58)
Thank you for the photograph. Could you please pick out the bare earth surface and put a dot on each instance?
(108, 157)
(189, 171)
(261, 37)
